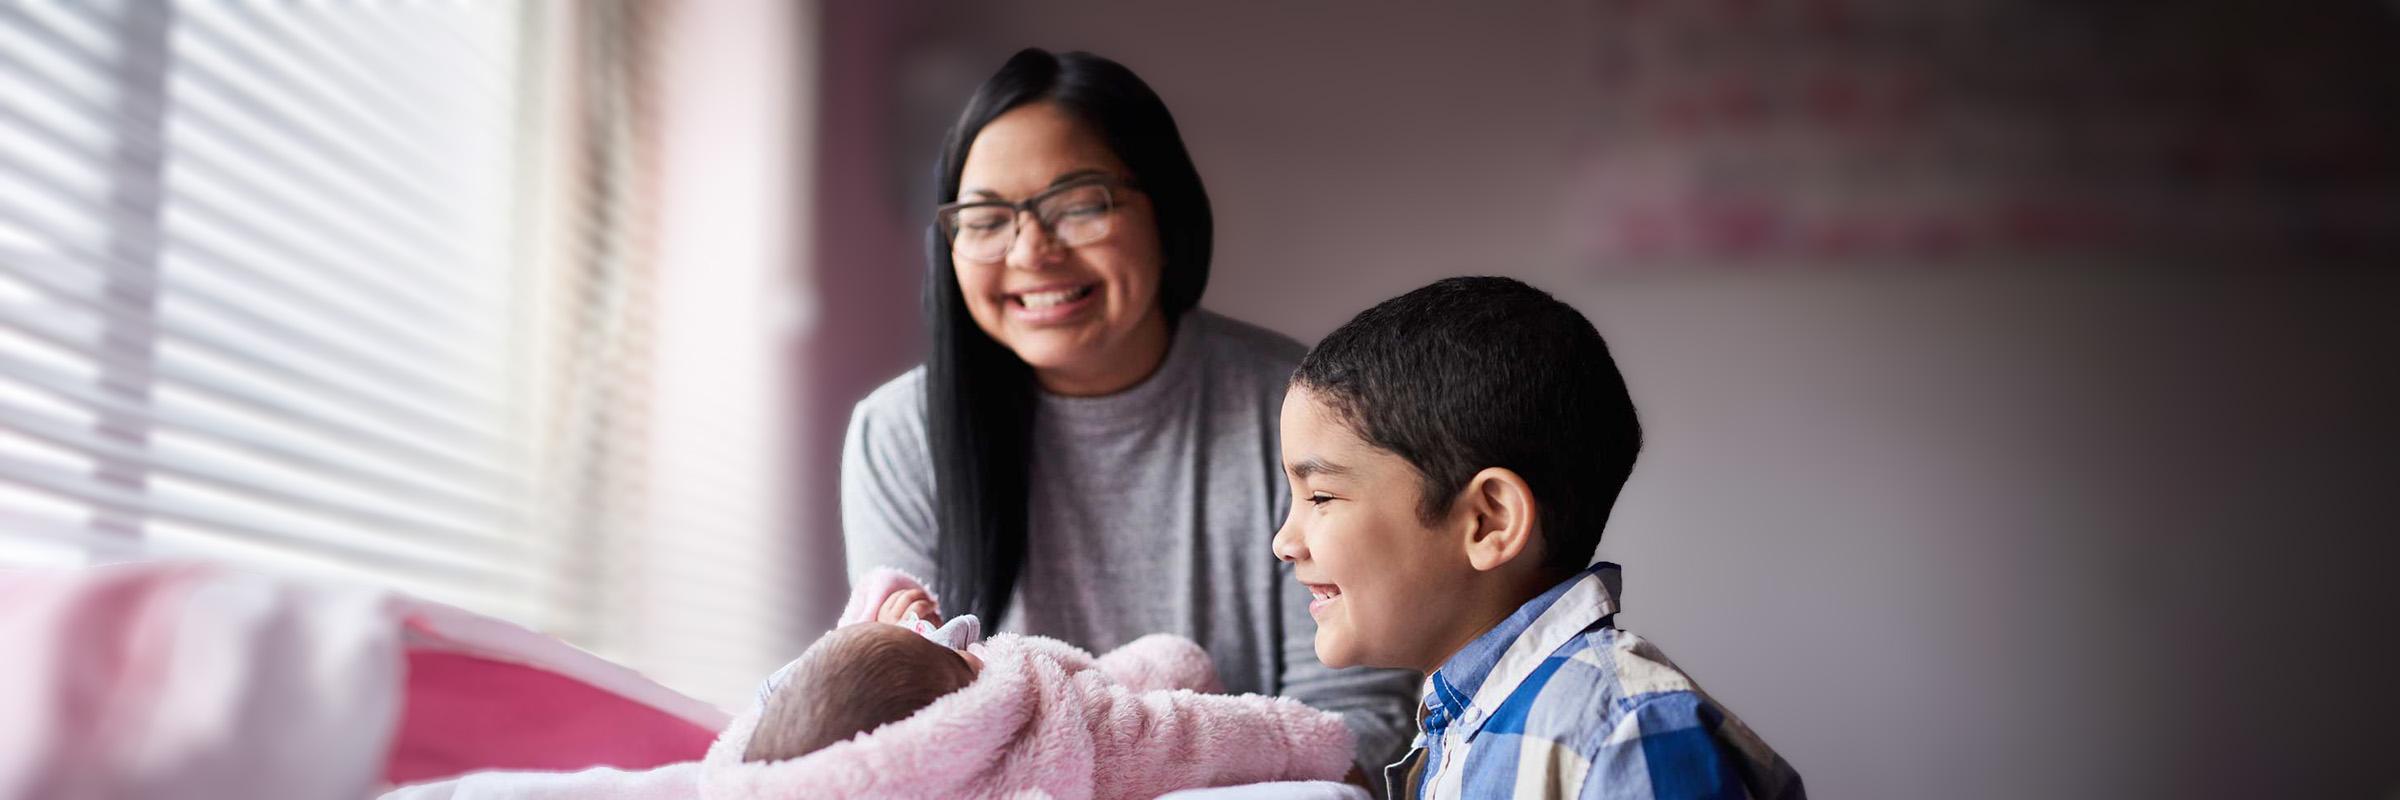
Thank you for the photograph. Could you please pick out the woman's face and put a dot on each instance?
(1086, 318)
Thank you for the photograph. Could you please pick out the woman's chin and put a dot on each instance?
(1055, 351)
(1077, 361)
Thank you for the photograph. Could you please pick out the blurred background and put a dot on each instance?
(2019, 376)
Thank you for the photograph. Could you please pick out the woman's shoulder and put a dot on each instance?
(890, 421)
(901, 399)
(1241, 347)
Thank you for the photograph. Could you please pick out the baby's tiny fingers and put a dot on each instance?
(893, 608)
(925, 610)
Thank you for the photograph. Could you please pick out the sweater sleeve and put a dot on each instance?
(887, 483)
(1145, 744)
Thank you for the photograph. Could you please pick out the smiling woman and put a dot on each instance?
(1075, 295)
(1085, 454)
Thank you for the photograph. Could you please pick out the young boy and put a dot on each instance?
(1454, 453)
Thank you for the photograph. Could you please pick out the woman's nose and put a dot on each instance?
(1033, 248)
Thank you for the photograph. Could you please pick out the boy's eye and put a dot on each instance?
(1320, 498)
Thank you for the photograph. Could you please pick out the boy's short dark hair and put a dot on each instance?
(1470, 373)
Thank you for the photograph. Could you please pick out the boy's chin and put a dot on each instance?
(1333, 654)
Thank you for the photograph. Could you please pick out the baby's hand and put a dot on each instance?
(900, 604)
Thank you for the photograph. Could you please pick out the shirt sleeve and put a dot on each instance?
(887, 485)
(1666, 748)
(1377, 704)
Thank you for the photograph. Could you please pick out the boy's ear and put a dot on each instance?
(1497, 505)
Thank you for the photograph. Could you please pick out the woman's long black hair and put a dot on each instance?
(979, 397)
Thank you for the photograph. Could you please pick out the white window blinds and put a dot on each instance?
(256, 291)
(366, 290)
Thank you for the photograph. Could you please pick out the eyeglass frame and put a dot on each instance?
(945, 216)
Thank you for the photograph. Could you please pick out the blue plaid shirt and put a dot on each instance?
(1556, 702)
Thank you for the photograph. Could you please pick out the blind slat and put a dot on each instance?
(34, 476)
(308, 50)
(249, 53)
(40, 218)
(265, 114)
(59, 43)
(322, 209)
(234, 146)
(36, 425)
(83, 283)
(48, 326)
(124, 318)
(357, 34)
(418, 486)
(84, 538)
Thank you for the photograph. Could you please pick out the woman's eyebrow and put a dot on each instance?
(1062, 179)
(1077, 175)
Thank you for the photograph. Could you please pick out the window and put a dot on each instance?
(357, 291)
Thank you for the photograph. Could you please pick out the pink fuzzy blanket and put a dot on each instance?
(1047, 719)
(1043, 720)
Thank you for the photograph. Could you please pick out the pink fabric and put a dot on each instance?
(186, 681)
(671, 782)
(1047, 718)
(195, 681)
(1044, 720)
(466, 713)
(483, 694)
(1151, 662)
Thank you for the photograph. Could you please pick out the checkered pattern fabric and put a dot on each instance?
(1555, 702)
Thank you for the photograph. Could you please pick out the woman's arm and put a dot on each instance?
(887, 483)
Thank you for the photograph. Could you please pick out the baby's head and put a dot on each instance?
(853, 680)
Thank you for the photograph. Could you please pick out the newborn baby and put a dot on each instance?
(878, 708)
(859, 678)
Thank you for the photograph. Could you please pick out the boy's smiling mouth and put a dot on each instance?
(1324, 593)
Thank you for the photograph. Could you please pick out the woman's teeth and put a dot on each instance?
(1040, 300)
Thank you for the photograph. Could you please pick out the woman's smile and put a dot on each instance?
(1051, 304)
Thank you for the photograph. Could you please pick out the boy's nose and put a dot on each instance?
(1287, 544)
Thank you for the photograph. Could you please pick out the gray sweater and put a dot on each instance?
(1153, 510)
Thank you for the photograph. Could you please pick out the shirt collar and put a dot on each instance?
(1472, 683)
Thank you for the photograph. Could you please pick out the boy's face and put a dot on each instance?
(1355, 539)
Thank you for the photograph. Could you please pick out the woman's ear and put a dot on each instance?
(1499, 509)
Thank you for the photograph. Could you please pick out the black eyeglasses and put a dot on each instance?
(1077, 212)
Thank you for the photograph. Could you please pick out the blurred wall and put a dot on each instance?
(2070, 509)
